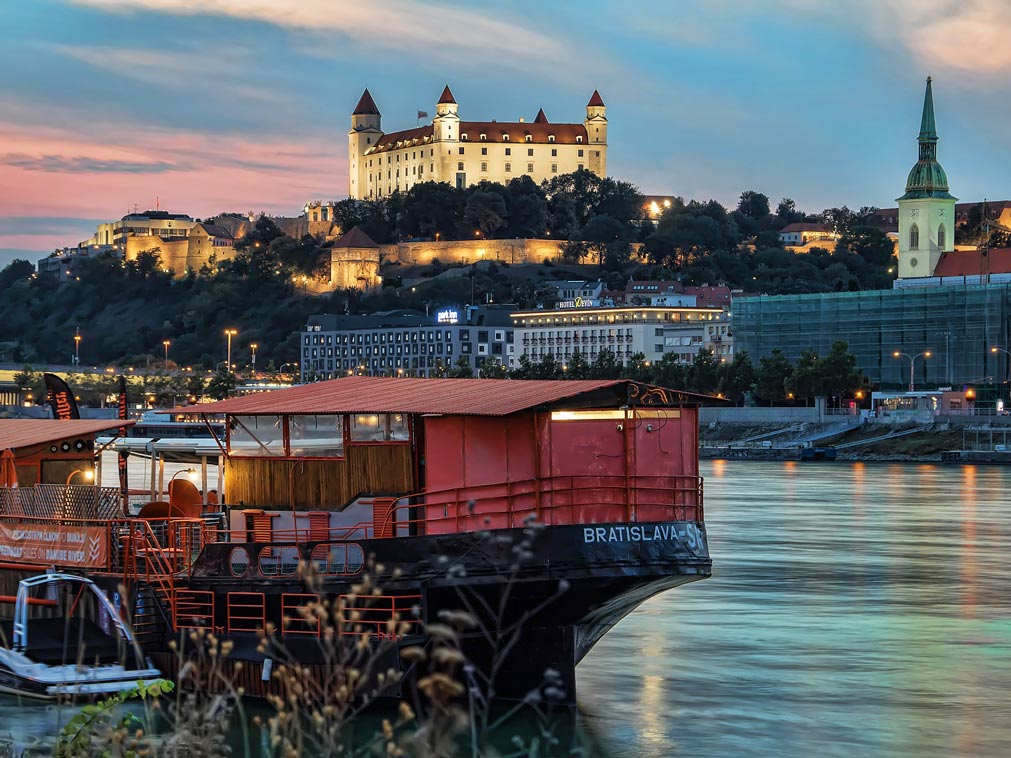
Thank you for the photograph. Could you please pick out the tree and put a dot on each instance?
(606, 239)
(683, 234)
(15, 271)
(428, 209)
(754, 205)
(486, 211)
(577, 367)
(492, 368)
(461, 369)
(701, 375)
(773, 370)
(605, 366)
(736, 378)
(787, 212)
(870, 243)
(838, 370)
(264, 232)
(221, 384)
(805, 381)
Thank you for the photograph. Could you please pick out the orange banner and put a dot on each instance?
(55, 545)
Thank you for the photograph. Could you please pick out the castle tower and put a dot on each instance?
(596, 134)
(446, 125)
(365, 132)
(927, 209)
(354, 262)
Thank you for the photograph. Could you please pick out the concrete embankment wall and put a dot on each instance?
(812, 415)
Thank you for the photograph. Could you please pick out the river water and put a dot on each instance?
(854, 610)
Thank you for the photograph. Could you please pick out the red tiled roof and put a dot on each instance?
(968, 263)
(366, 106)
(447, 97)
(564, 134)
(355, 238)
(17, 432)
(367, 394)
(802, 226)
(595, 100)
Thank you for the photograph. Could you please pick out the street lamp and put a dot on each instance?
(77, 346)
(191, 474)
(912, 360)
(1008, 354)
(228, 358)
(165, 344)
(253, 346)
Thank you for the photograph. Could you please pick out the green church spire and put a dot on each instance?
(927, 178)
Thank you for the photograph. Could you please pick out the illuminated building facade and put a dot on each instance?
(405, 343)
(652, 331)
(463, 153)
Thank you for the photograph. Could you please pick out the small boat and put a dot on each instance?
(68, 653)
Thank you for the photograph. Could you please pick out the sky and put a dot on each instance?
(206, 106)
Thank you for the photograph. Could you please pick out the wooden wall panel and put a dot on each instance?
(319, 484)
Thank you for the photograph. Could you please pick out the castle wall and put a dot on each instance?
(472, 251)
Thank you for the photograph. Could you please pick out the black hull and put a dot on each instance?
(543, 596)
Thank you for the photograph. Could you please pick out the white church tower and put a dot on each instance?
(365, 132)
(927, 210)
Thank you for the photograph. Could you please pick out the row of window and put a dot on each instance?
(914, 237)
(389, 337)
(311, 435)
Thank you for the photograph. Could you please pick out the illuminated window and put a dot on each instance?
(316, 436)
(379, 427)
(529, 138)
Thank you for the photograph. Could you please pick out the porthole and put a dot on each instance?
(238, 561)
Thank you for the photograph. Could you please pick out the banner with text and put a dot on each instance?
(55, 545)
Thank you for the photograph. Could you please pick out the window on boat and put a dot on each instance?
(338, 558)
(256, 435)
(316, 436)
(278, 561)
(379, 427)
(238, 561)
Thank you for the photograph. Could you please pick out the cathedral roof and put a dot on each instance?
(447, 97)
(927, 179)
(366, 106)
(540, 118)
(355, 238)
(595, 100)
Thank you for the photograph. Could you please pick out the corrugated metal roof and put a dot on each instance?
(367, 394)
(25, 432)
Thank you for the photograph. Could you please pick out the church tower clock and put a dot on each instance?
(927, 210)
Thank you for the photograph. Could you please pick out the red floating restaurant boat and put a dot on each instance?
(550, 509)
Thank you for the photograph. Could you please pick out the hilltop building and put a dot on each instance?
(354, 262)
(190, 251)
(467, 152)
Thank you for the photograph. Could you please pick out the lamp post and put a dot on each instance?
(253, 346)
(189, 472)
(165, 344)
(1008, 354)
(89, 475)
(77, 346)
(912, 361)
(229, 333)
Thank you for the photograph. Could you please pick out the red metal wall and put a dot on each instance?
(583, 471)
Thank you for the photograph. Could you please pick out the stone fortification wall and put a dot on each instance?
(472, 251)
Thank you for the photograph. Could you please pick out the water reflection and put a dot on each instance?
(854, 610)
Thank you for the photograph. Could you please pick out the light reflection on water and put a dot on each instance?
(854, 610)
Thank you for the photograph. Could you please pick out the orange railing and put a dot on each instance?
(294, 620)
(246, 612)
(383, 616)
(193, 609)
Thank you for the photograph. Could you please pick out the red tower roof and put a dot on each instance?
(355, 238)
(366, 106)
(595, 100)
(447, 97)
(540, 118)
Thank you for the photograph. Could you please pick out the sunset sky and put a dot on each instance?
(239, 105)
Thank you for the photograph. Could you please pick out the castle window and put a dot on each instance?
(368, 140)
(530, 152)
(484, 151)
(461, 150)
(579, 167)
(484, 137)
(940, 237)
(554, 168)
(463, 137)
(579, 138)
(484, 165)
(529, 138)
(508, 167)
(580, 152)
(554, 152)
(530, 168)
(551, 138)
(459, 166)
(509, 151)
(505, 137)
(914, 237)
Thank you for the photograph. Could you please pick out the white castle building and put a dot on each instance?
(467, 152)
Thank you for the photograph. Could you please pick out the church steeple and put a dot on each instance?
(927, 178)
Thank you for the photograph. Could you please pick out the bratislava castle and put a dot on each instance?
(467, 152)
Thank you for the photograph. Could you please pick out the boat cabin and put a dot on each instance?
(380, 457)
(52, 451)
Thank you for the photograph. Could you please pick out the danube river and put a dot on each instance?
(854, 610)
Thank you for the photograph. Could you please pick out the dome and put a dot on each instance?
(927, 179)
